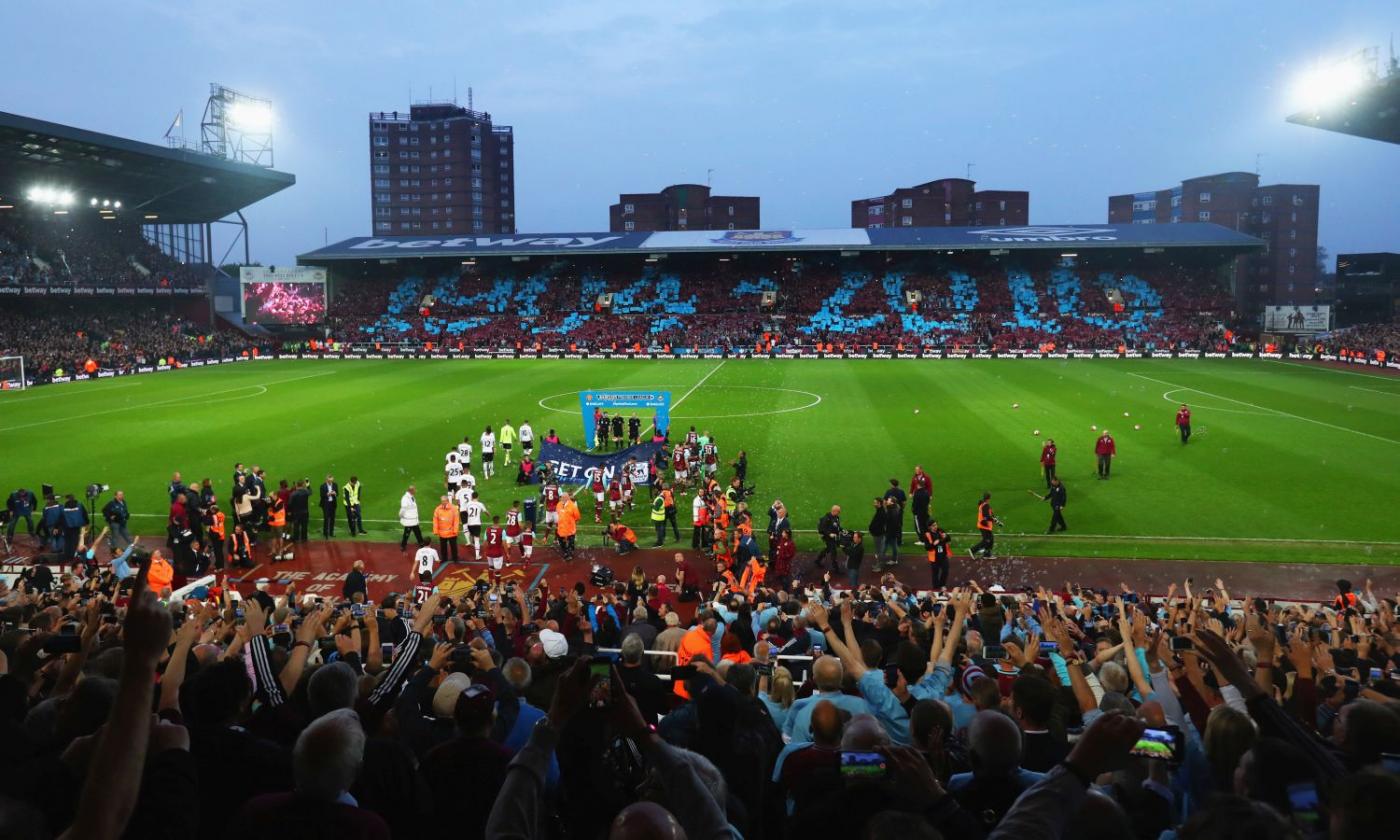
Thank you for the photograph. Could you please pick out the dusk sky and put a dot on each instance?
(806, 104)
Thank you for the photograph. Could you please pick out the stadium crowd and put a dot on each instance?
(60, 338)
(688, 707)
(84, 250)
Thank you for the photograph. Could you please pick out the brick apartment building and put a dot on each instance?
(1283, 215)
(440, 168)
(947, 202)
(683, 207)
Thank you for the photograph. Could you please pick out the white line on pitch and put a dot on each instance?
(1374, 391)
(185, 398)
(1326, 369)
(1094, 536)
(27, 400)
(698, 384)
(1266, 408)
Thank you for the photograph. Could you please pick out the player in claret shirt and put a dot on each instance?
(513, 520)
(709, 457)
(600, 492)
(495, 542)
(626, 482)
(681, 465)
(1047, 460)
(615, 499)
(550, 492)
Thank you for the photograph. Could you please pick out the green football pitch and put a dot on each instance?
(1288, 462)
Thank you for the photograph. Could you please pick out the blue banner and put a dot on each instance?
(656, 405)
(570, 466)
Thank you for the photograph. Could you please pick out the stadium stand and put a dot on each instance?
(1010, 308)
(85, 250)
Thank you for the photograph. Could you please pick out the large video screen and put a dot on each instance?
(275, 302)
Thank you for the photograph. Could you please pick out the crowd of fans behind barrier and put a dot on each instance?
(881, 712)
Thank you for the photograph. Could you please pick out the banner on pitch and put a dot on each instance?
(571, 466)
(655, 405)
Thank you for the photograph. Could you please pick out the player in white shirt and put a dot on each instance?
(488, 453)
(527, 438)
(474, 511)
(425, 561)
(468, 480)
(453, 471)
(463, 498)
(464, 453)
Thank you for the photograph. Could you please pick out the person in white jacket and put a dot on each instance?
(408, 518)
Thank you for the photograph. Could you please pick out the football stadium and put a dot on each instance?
(944, 524)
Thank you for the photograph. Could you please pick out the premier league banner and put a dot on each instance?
(656, 406)
(570, 466)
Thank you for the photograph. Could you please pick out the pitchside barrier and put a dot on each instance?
(354, 353)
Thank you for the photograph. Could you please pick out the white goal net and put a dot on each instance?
(12, 373)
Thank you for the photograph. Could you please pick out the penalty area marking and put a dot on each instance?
(816, 400)
(1374, 391)
(1274, 411)
(17, 399)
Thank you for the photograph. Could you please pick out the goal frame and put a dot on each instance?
(14, 385)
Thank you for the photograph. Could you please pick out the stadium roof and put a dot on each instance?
(177, 185)
(1372, 113)
(1027, 237)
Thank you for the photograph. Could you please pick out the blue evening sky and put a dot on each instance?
(807, 104)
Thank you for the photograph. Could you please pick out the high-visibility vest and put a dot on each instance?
(352, 494)
(216, 525)
(754, 573)
(984, 516)
(445, 521)
(277, 515)
(658, 509)
(160, 574)
(628, 535)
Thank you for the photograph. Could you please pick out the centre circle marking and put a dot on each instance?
(815, 401)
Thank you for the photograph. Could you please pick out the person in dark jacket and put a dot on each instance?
(877, 525)
(75, 518)
(299, 510)
(855, 555)
(829, 527)
(21, 505)
(51, 524)
(116, 515)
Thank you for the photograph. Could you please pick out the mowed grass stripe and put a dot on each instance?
(1250, 488)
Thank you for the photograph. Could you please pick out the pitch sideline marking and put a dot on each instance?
(1114, 537)
(712, 372)
(173, 401)
(1374, 391)
(1266, 408)
(816, 401)
(1328, 369)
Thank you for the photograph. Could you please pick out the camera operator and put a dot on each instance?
(21, 505)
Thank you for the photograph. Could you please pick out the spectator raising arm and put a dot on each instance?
(114, 775)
